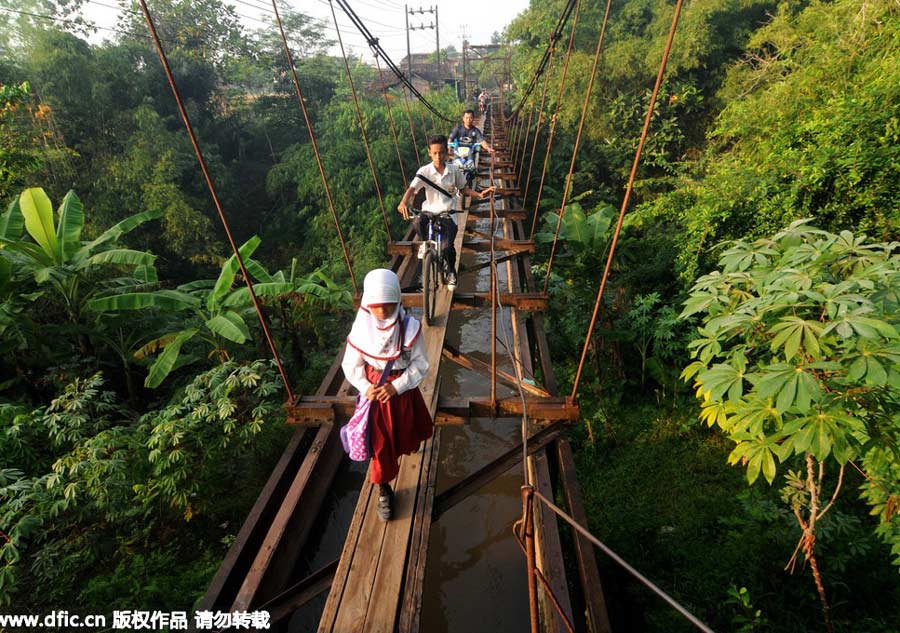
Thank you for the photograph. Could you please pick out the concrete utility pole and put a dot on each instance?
(408, 55)
(465, 65)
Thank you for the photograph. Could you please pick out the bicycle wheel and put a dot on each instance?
(429, 285)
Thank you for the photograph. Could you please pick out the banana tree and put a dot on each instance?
(217, 312)
(55, 255)
(584, 232)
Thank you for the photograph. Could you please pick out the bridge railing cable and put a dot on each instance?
(373, 42)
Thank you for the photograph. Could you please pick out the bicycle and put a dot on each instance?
(431, 252)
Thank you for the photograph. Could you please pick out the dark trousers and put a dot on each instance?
(448, 236)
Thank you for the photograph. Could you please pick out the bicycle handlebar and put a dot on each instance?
(414, 211)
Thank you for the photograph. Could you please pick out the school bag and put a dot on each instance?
(355, 434)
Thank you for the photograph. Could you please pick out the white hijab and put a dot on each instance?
(375, 338)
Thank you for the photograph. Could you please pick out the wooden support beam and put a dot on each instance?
(489, 472)
(477, 246)
(221, 591)
(549, 550)
(484, 369)
(275, 558)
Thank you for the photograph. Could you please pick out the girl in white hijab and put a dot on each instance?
(399, 419)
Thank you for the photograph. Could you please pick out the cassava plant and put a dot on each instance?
(798, 361)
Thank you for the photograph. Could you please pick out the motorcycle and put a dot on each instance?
(465, 154)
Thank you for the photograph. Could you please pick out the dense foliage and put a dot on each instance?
(137, 422)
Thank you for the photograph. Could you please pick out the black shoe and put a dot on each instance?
(451, 280)
(385, 509)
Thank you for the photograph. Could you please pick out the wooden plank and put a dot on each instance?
(382, 613)
(278, 528)
(514, 214)
(357, 589)
(595, 603)
(522, 348)
(528, 301)
(411, 608)
(540, 336)
(362, 564)
(228, 578)
(549, 550)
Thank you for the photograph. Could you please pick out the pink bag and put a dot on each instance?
(355, 434)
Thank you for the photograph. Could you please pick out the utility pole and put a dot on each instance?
(408, 55)
(465, 65)
(422, 26)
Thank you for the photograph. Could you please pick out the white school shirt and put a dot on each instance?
(453, 180)
(354, 366)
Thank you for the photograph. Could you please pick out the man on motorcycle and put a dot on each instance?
(465, 142)
(467, 129)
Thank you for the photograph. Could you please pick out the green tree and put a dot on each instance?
(797, 362)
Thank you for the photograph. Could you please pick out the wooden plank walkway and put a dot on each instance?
(366, 594)
(377, 584)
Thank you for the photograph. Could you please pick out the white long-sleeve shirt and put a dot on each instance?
(354, 366)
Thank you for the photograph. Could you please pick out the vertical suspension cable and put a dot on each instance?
(553, 120)
(412, 130)
(537, 127)
(628, 189)
(521, 160)
(312, 138)
(387, 103)
(212, 191)
(362, 125)
(584, 109)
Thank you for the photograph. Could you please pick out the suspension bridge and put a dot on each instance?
(378, 580)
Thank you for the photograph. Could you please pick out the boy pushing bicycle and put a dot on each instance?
(442, 182)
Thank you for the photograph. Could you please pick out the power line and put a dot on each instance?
(379, 51)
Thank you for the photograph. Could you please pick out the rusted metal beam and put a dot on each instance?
(339, 409)
(489, 472)
(297, 595)
(475, 246)
(527, 301)
(549, 409)
(475, 267)
(484, 368)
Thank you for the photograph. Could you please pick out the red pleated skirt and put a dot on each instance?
(396, 427)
